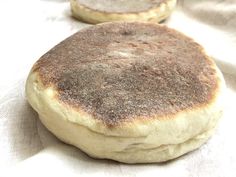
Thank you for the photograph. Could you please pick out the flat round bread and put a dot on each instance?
(97, 11)
(132, 92)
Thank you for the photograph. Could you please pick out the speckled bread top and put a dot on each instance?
(121, 6)
(122, 71)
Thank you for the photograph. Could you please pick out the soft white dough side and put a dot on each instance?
(137, 142)
(127, 150)
(93, 16)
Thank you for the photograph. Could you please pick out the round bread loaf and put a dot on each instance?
(97, 11)
(132, 92)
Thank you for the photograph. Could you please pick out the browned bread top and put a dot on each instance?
(121, 71)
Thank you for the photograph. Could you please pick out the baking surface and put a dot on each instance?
(31, 28)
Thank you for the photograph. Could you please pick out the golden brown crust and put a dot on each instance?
(120, 71)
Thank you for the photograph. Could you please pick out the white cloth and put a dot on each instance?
(30, 28)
